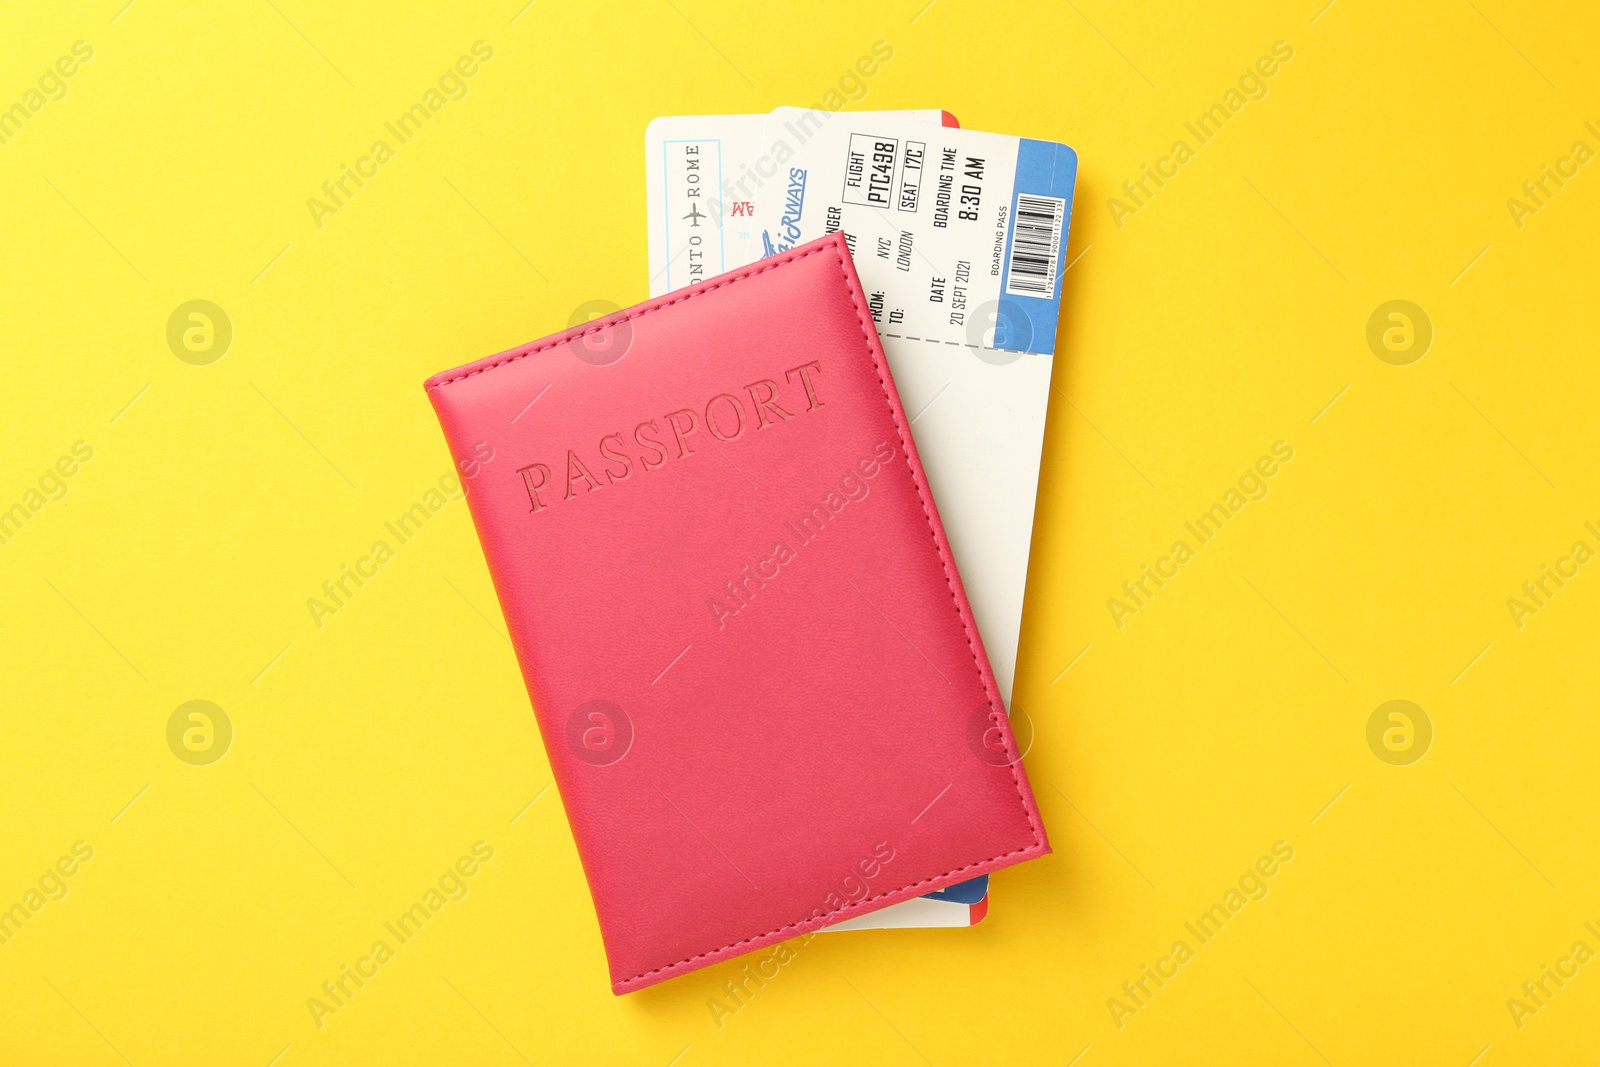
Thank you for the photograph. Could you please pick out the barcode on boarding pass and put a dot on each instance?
(1035, 246)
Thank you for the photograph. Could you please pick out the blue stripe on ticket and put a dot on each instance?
(968, 892)
(1036, 245)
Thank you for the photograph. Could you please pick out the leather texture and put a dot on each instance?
(764, 699)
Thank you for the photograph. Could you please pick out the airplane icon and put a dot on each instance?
(696, 214)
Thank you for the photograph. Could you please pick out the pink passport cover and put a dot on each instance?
(758, 680)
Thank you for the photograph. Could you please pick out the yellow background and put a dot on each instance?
(1230, 713)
